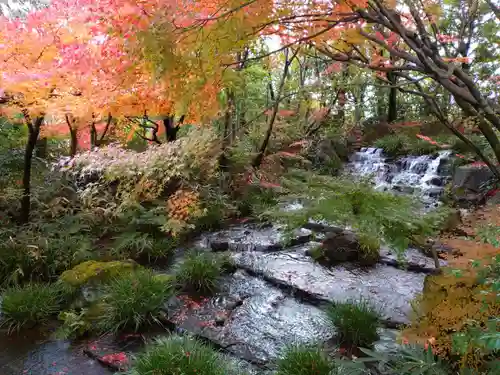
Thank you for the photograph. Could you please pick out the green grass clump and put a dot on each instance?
(370, 248)
(179, 356)
(31, 304)
(399, 144)
(133, 300)
(304, 360)
(200, 271)
(356, 323)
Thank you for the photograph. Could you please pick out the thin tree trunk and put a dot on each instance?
(392, 111)
(33, 133)
(277, 98)
(73, 146)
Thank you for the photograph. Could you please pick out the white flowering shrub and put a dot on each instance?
(123, 178)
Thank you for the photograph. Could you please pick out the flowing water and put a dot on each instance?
(424, 176)
(276, 296)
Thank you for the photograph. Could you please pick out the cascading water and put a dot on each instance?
(424, 175)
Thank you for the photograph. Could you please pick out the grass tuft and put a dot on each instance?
(200, 271)
(32, 304)
(133, 301)
(356, 323)
(304, 360)
(179, 355)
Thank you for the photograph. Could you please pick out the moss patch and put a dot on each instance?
(96, 271)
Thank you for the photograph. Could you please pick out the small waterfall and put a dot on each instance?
(424, 175)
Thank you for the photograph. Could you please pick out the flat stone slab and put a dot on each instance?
(251, 319)
(390, 289)
(413, 259)
(241, 238)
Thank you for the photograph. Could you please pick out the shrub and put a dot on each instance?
(200, 271)
(356, 204)
(356, 323)
(30, 254)
(133, 300)
(400, 144)
(32, 304)
(179, 355)
(456, 310)
(392, 144)
(304, 360)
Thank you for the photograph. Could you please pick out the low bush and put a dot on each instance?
(179, 355)
(400, 144)
(392, 144)
(356, 323)
(304, 360)
(32, 304)
(344, 202)
(458, 310)
(133, 300)
(201, 270)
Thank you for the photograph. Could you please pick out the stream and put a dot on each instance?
(275, 297)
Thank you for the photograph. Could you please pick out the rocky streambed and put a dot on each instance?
(275, 297)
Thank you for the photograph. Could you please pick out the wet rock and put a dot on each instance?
(219, 245)
(240, 238)
(340, 247)
(33, 353)
(259, 320)
(467, 184)
(437, 181)
(471, 177)
(389, 288)
(412, 260)
(115, 352)
(403, 189)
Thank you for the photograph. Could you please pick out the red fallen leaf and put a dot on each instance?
(115, 358)
(492, 192)
(460, 156)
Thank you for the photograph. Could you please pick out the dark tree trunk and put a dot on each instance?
(170, 128)
(34, 132)
(93, 136)
(392, 112)
(41, 148)
(73, 147)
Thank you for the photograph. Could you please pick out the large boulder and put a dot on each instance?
(467, 184)
(345, 246)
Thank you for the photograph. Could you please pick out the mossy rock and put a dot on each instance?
(92, 270)
(169, 279)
